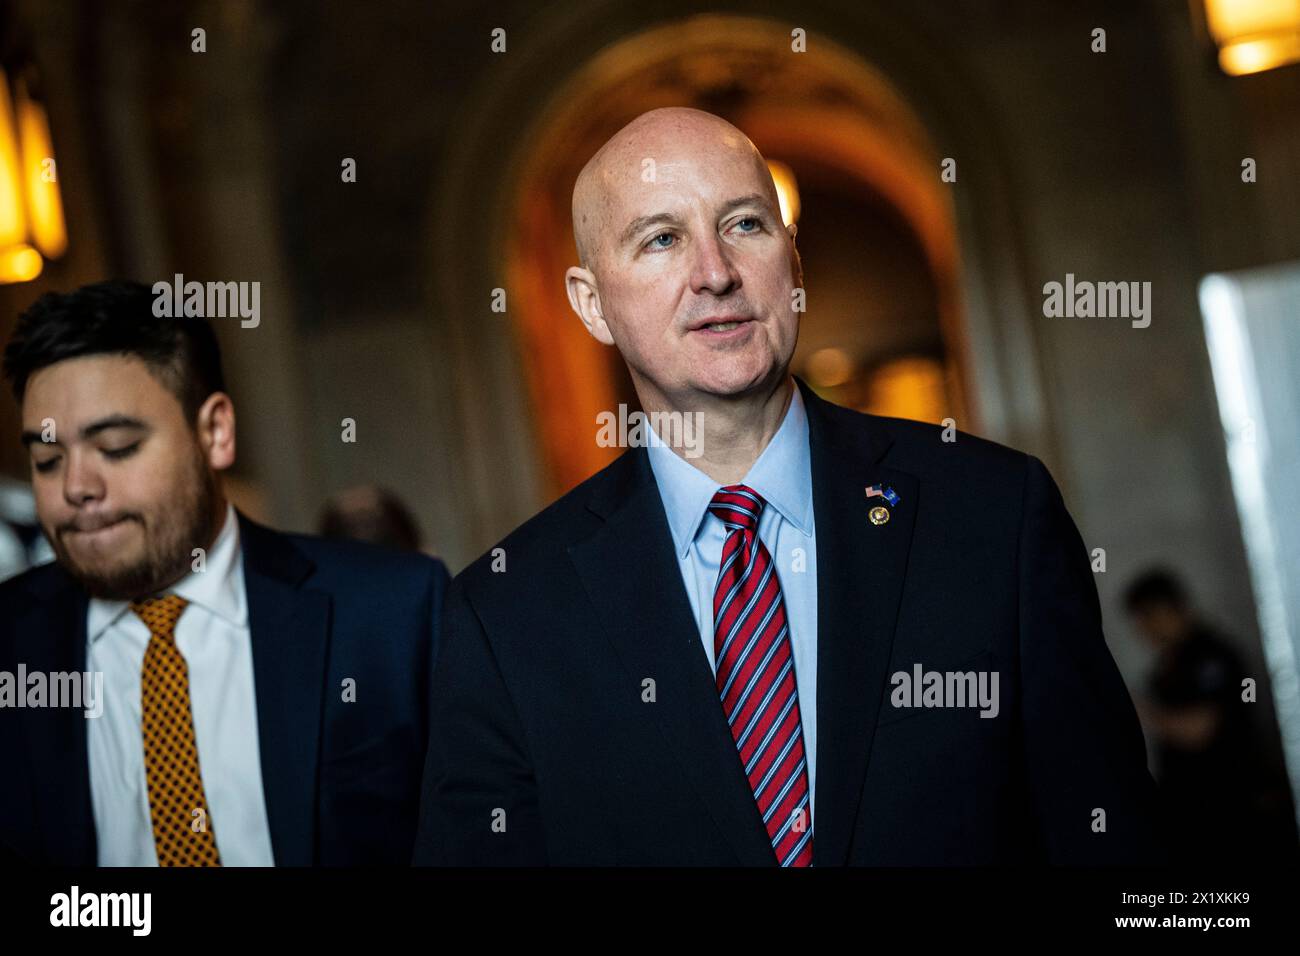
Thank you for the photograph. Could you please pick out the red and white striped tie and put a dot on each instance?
(755, 676)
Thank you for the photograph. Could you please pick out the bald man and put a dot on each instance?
(782, 633)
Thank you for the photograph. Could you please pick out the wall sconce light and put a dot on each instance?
(1254, 35)
(32, 227)
(787, 191)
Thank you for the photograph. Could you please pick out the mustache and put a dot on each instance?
(95, 522)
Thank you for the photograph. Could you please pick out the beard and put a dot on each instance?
(183, 522)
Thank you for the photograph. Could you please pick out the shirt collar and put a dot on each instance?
(782, 475)
(219, 588)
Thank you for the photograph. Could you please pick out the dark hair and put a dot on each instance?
(1153, 587)
(116, 318)
(372, 514)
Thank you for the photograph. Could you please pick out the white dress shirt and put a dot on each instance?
(782, 475)
(213, 636)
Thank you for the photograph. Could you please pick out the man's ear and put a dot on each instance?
(584, 297)
(793, 229)
(215, 425)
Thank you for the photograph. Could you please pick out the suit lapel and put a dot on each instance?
(631, 575)
(52, 638)
(860, 571)
(290, 637)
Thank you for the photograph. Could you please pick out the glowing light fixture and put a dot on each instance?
(1254, 35)
(32, 228)
(787, 191)
(44, 204)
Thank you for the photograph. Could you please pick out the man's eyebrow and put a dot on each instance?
(90, 431)
(753, 199)
(112, 421)
(644, 222)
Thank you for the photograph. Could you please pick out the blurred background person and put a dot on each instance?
(371, 514)
(22, 545)
(1219, 799)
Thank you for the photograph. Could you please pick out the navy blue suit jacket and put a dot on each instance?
(545, 747)
(341, 779)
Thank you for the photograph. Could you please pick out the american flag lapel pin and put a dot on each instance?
(880, 514)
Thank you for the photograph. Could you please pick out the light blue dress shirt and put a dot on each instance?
(782, 475)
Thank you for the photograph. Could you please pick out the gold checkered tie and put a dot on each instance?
(182, 830)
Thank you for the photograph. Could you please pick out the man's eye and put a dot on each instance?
(46, 466)
(757, 223)
(655, 244)
(124, 452)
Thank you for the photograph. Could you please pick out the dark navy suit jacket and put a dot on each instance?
(545, 749)
(341, 779)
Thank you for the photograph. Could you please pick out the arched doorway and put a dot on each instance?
(528, 384)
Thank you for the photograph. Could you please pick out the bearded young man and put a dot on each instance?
(265, 694)
(704, 659)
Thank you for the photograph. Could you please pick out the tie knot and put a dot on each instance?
(738, 506)
(160, 614)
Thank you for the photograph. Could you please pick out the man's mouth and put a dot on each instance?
(90, 528)
(719, 324)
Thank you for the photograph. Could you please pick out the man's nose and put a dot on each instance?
(82, 481)
(713, 271)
